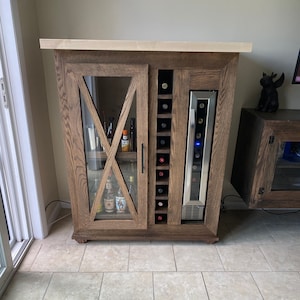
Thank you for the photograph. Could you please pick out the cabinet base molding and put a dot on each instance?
(153, 233)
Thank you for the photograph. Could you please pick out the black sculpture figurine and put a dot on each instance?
(268, 101)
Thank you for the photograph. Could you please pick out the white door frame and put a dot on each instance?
(19, 111)
(20, 181)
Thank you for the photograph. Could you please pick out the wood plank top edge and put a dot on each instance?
(131, 45)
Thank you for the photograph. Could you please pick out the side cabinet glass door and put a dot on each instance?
(112, 112)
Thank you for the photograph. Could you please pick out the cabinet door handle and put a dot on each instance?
(142, 157)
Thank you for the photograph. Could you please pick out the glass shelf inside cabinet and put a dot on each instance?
(109, 130)
(287, 169)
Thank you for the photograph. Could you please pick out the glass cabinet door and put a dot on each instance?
(113, 114)
(287, 168)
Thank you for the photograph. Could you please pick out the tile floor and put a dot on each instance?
(257, 257)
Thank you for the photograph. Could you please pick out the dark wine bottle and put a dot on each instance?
(160, 218)
(162, 174)
(163, 142)
(161, 190)
(163, 124)
(165, 81)
(164, 106)
(197, 155)
(162, 159)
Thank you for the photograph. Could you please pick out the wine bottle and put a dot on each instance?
(163, 142)
(162, 174)
(109, 201)
(160, 218)
(197, 155)
(164, 106)
(110, 129)
(163, 124)
(165, 81)
(161, 190)
(162, 159)
(120, 202)
(161, 204)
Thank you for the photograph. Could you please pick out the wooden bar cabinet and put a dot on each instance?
(172, 102)
(266, 170)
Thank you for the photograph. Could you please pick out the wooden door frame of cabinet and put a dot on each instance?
(262, 180)
(69, 83)
(270, 198)
(223, 116)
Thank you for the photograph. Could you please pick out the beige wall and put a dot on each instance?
(34, 86)
(272, 26)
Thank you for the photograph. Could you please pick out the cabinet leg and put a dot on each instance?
(80, 240)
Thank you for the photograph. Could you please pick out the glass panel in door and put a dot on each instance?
(108, 94)
(287, 168)
(113, 102)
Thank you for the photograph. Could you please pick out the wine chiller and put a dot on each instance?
(198, 151)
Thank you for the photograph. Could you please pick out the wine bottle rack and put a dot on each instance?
(163, 143)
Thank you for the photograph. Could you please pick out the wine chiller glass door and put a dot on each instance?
(199, 141)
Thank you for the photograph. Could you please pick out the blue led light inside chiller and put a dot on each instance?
(198, 144)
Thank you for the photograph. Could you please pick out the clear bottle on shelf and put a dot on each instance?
(109, 199)
(120, 202)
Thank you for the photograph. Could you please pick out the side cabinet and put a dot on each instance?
(146, 132)
(266, 170)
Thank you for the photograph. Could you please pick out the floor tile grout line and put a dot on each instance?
(100, 289)
(265, 257)
(35, 256)
(128, 259)
(47, 288)
(81, 260)
(153, 286)
(174, 257)
(220, 257)
(204, 282)
(251, 274)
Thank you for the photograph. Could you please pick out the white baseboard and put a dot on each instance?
(53, 215)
